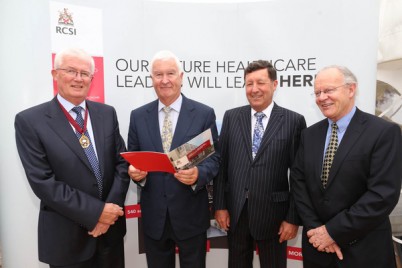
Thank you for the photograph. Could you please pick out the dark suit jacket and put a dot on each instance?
(61, 176)
(265, 177)
(188, 209)
(363, 188)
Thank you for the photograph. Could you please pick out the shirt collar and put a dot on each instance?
(68, 105)
(344, 121)
(176, 105)
(267, 111)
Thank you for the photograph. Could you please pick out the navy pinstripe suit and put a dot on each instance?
(265, 178)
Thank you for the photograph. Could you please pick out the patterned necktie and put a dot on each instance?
(167, 134)
(329, 154)
(258, 132)
(89, 151)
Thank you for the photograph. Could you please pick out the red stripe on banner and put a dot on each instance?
(97, 89)
(295, 253)
(133, 211)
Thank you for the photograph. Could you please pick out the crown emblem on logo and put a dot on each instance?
(66, 17)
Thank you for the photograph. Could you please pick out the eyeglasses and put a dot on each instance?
(258, 83)
(74, 73)
(327, 91)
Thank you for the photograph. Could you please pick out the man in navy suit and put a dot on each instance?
(174, 207)
(251, 192)
(75, 170)
(345, 203)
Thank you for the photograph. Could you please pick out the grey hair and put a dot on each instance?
(74, 52)
(348, 76)
(166, 55)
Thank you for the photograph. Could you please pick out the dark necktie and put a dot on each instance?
(329, 154)
(258, 132)
(89, 151)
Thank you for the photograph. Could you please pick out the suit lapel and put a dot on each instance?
(98, 132)
(186, 115)
(60, 125)
(245, 129)
(151, 120)
(318, 150)
(353, 132)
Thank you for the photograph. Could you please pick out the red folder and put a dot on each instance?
(149, 161)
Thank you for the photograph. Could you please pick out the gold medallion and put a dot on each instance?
(84, 141)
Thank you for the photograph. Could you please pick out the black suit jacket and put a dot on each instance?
(265, 178)
(188, 208)
(61, 176)
(363, 188)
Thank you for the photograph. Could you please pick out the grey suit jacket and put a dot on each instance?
(265, 178)
(61, 176)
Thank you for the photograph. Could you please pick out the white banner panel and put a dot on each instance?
(76, 26)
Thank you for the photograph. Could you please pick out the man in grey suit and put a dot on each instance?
(346, 179)
(70, 149)
(174, 206)
(258, 144)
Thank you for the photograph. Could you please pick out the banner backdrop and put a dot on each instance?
(215, 42)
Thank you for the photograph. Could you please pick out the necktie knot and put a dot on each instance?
(334, 127)
(167, 109)
(79, 118)
(77, 110)
(259, 116)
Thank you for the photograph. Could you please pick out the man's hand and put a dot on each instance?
(334, 248)
(287, 231)
(320, 239)
(110, 214)
(223, 219)
(187, 176)
(100, 229)
(136, 174)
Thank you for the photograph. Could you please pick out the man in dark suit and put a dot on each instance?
(174, 207)
(70, 149)
(346, 179)
(251, 192)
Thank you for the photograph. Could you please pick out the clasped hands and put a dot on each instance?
(111, 212)
(185, 176)
(287, 231)
(322, 241)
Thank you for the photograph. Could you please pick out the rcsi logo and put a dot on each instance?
(133, 211)
(295, 253)
(66, 23)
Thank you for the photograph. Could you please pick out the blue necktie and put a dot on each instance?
(258, 132)
(89, 151)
